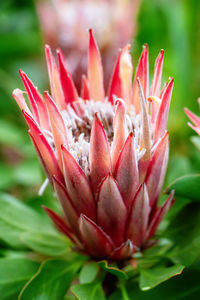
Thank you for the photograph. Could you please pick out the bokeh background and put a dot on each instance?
(173, 25)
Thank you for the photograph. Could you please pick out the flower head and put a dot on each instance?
(194, 118)
(105, 155)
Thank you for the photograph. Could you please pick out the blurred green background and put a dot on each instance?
(173, 25)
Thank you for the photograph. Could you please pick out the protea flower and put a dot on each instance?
(105, 156)
(65, 23)
(194, 118)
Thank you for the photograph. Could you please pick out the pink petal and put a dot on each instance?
(119, 131)
(19, 98)
(32, 101)
(146, 139)
(68, 87)
(77, 185)
(95, 70)
(159, 215)
(69, 210)
(45, 149)
(115, 87)
(59, 223)
(36, 101)
(197, 129)
(57, 126)
(85, 93)
(121, 81)
(99, 156)
(157, 169)
(142, 73)
(56, 88)
(155, 87)
(139, 217)
(126, 172)
(96, 241)
(111, 211)
(162, 116)
(192, 117)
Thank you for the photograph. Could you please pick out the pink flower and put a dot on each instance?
(194, 118)
(106, 156)
(65, 23)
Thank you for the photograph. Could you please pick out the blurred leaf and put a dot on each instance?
(88, 291)
(14, 273)
(149, 278)
(88, 272)
(186, 186)
(51, 281)
(112, 269)
(184, 232)
(196, 141)
(28, 173)
(46, 244)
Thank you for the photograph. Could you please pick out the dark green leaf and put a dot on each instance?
(51, 282)
(184, 233)
(88, 291)
(186, 186)
(14, 273)
(88, 272)
(149, 278)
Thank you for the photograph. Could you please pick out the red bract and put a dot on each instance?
(105, 156)
(194, 118)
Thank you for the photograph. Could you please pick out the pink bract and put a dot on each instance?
(105, 155)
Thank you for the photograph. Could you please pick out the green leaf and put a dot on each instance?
(51, 282)
(196, 141)
(149, 278)
(184, 233)
(88, 291)
(14, 273)
(47, 244)
(112, 269)
(21, 226)
(88, 272)
(186, 186)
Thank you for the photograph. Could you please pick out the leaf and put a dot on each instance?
(51, 282)
(186, 186)
(47, 244)
(88, 291)
(21, 226)
(14, 273)
(184, 233)
(88, 272)
(112, 269)
(149, 278)
(196, 141)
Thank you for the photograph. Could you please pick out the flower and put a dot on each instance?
(62, 21)
(106, 156)
(194, 118)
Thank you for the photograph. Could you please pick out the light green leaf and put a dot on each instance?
(112, 269)
(88, 272)
(186, 186)
(196, 141)
(47, 244)
(51, 282)
(149, 278)
(88, 291)
(14, 273)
